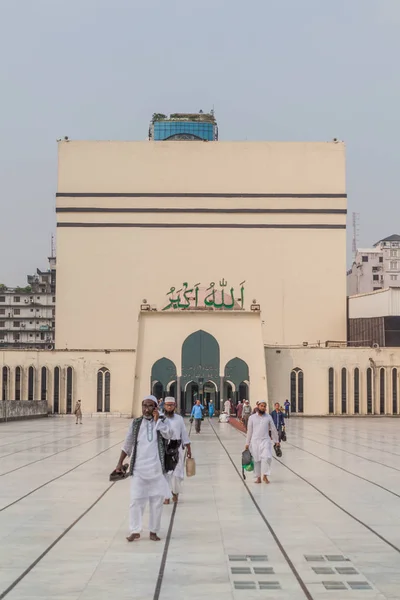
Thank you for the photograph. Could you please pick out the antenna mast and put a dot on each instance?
(356, 228)
(53, 251)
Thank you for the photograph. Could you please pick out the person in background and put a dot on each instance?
(287, 408)
(278, 419)
(211, 409)
(161, 405)
(78, 412)
(145, 444)
(227, 406)
(246, 412)
(258, 441)
(197, 415)
(239, 410)
(177, 424)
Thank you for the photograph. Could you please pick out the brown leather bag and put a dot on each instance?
(190, 467)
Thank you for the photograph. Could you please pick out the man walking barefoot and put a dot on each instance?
(177, 424)
(145, 444)
(259, 443)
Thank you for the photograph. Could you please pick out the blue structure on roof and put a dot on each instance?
(184, 126)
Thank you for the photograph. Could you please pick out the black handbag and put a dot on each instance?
(283, 435)
(171, 454)
(278, 451)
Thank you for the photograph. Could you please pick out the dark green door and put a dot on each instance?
(200, 363)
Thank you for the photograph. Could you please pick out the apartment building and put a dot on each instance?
(27, 315)
(375, 268)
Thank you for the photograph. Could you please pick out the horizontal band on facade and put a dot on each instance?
(314, 211)
(207, 225)
(192, 195)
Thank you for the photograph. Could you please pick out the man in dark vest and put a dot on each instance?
(278, 419)
(145, 445)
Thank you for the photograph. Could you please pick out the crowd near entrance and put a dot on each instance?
(201, 377)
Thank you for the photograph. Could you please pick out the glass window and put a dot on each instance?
(17, 311)
(31, 383)
(356, 391)
(5, 383)
(382, 391)
(2, 298)
(293, 392)
(56, 391)
(369, 391)
(103, 390)
(100, 391)
(17, 299)
(18, 378)
(394, 391)
(300, 389)
(344, 391)
(43, 384)
(107, 391)
(365, 259)
(69, 390)
(331, 391)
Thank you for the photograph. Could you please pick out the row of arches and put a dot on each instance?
(369, 391)
(46, 384)
(200, 376)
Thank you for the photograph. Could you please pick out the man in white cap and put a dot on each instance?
(145, 444)
(258, 441)
(177, 424)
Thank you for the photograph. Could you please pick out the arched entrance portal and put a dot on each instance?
(200, 367)
(163, 377)
(236, 380)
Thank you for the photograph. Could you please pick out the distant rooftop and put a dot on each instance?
(392, 238)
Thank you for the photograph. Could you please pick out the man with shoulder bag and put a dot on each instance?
(175, 449)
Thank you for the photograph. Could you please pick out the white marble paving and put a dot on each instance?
(215, 518)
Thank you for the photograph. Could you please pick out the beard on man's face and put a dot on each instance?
(169, 410)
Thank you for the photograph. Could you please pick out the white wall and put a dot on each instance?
(315, 363)
(85, 366)
(383, 303)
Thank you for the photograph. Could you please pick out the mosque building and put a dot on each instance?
(203, 269)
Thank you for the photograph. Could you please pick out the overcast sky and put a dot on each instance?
(273, 69)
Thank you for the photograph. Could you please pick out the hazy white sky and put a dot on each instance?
(273, 69)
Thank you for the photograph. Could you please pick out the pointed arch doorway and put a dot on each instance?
(237, 380)
(200, 377)
(163, 378)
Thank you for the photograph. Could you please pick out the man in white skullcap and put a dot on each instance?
(145, 445)
(177, 424)
(258, 441)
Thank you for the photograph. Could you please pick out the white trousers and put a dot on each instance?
(174, 482)
(136, 511)
(262, 467)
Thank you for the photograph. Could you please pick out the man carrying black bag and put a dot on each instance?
(175, 450)
(279, 421)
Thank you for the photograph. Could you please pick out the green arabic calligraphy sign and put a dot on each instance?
(196, 297)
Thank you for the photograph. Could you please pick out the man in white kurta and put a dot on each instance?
(259, 442)
(179, 432)
(148, 483)
(227, 406)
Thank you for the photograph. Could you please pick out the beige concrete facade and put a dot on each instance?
(378, 377)
(84, 369)
(136, 218)
(244, 242)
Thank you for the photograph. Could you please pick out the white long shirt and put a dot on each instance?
(258, 439)
(179, 432)
(178, 427)
(148, 479)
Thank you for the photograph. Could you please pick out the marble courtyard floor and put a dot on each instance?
(328, 526)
